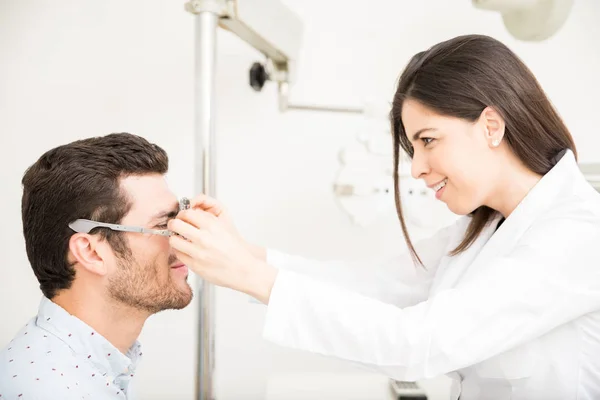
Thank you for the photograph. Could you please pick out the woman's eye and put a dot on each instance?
(162, 226)
(427, 140)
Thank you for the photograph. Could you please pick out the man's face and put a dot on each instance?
(149, 277)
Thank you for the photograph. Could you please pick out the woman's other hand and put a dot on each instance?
(216, 208)
(212, 249)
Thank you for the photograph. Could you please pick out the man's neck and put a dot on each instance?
(119, 324)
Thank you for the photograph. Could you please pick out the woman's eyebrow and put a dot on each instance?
(420, 131)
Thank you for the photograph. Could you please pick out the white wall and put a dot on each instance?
(74, 69)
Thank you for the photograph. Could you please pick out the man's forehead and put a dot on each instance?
(149, 195)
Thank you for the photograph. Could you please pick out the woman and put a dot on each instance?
(507, 299)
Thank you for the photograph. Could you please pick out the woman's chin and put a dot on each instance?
(460, 209)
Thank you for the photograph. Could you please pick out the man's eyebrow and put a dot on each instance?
(166, 214)
(420, 131)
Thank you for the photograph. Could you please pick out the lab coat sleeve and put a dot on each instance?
(395, 280)
(551, 279)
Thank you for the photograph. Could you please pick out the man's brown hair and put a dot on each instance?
(80, 180)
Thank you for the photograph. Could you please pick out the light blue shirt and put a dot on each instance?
(58, 356)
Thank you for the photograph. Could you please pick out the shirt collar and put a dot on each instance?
(85, 341)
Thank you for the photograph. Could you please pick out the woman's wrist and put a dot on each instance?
(258, 252)
(260, 280)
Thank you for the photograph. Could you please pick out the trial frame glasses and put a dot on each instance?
(86, 225)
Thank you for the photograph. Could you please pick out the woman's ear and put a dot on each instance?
(86, 250)
(493, 126)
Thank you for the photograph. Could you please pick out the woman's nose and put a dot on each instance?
(419, 166)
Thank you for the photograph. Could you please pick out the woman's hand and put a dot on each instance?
(216, 252)
(216, 208)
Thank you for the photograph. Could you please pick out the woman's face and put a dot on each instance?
(453, 156)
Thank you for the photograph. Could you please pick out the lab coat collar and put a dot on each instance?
(544, 193)
(492, 242)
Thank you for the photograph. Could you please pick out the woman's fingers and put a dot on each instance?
(184, 258)
(196, 218)
(187, 230)
(207, 203)
(183, 246)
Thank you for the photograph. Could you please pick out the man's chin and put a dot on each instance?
(185, 299)
(181, 299)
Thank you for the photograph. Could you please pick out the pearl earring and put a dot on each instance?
(496, 143)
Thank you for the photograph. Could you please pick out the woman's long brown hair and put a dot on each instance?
(460, 78)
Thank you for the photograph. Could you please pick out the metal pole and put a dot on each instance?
(331, 109)
(284, 105)
(206, 37)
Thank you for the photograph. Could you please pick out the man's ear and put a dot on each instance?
(493, 126)
(88, 251)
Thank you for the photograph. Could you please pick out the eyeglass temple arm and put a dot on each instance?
(85, 226)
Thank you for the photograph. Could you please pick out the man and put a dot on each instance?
(100, 284)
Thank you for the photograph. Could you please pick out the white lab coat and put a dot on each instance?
(516, 316)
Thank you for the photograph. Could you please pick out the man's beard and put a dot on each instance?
(138, 286)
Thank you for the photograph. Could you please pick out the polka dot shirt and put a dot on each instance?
(58, 356)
